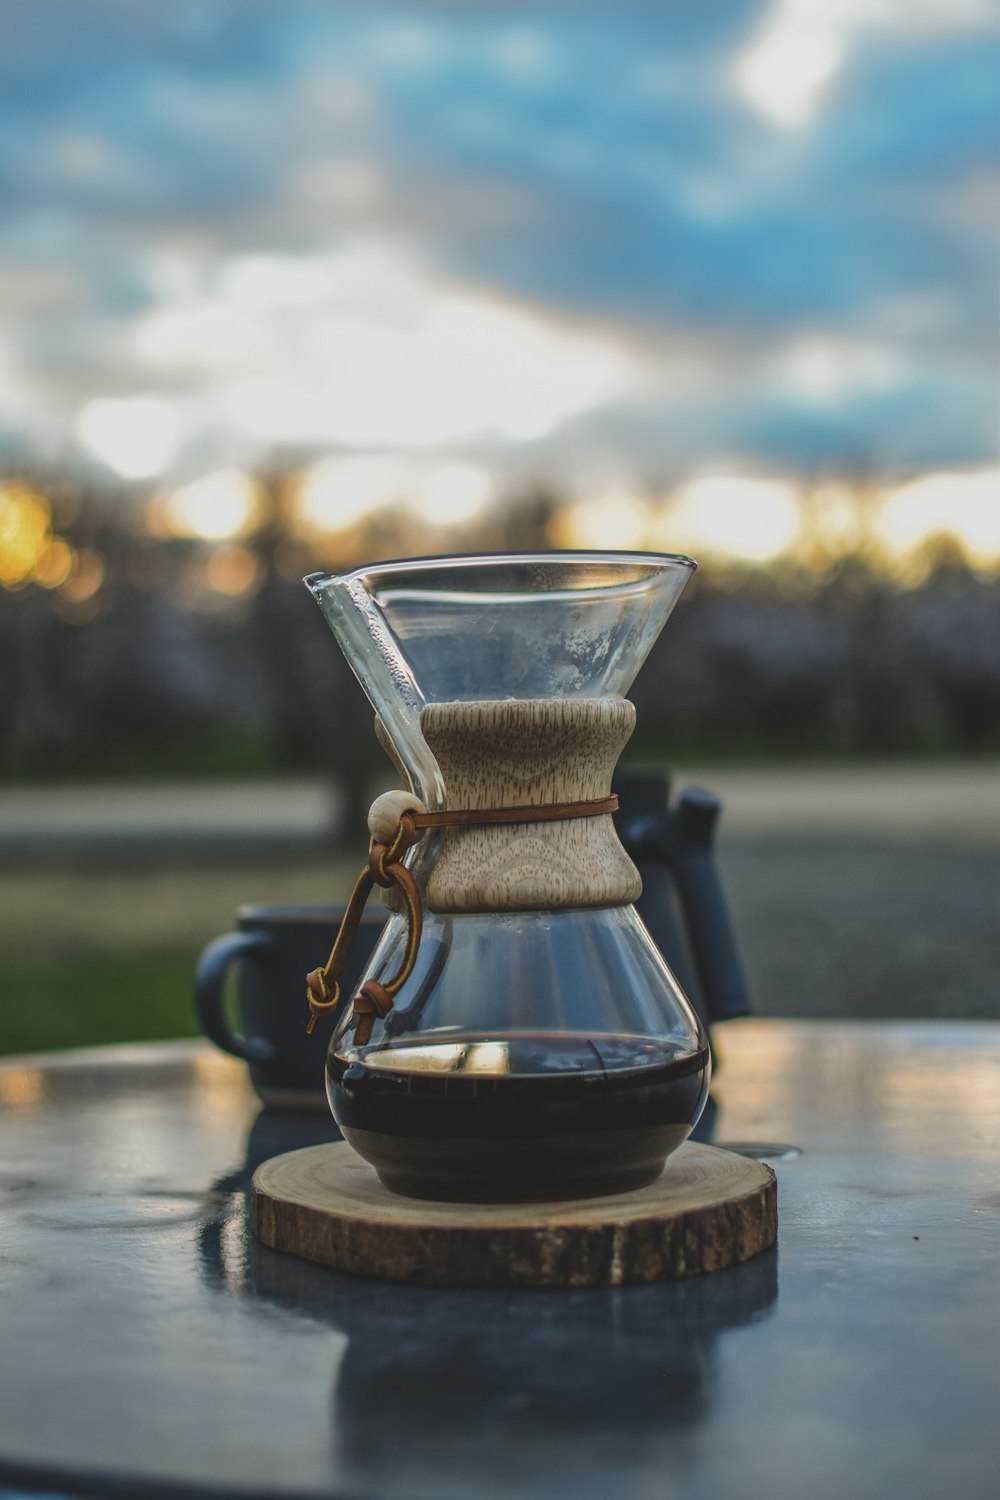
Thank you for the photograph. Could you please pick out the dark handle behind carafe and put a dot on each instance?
(673, 848)
(209, 986)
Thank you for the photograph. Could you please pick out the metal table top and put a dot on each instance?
(151, 1347)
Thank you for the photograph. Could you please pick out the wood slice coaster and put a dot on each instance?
(709, 1209)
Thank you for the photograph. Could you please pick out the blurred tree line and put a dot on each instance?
(176, 655)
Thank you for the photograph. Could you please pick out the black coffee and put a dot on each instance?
(528, 1116)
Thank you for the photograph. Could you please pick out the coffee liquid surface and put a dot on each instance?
(526, 1115)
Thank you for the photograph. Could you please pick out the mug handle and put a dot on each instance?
(209, 984)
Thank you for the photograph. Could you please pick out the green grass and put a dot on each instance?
(94, 998)
(109, 955)
(222, 756)
(208, 756)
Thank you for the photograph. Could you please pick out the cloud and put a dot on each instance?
(604, 173)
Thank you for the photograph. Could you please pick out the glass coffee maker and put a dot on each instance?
(516, 1034)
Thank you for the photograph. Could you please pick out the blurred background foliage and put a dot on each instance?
(169, 633)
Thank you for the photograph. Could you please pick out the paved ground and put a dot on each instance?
(41, 825)
(849, 927)
(945, 802)
(855, 891)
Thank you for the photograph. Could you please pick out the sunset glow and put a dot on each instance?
(338, 494)
(341, 506)
(614, 521)
(753, 520)
(729, 516)
(220, 505)
(961, 506)
(451, 495)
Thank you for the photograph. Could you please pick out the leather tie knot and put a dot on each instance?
(386, 869)
(319, 993)
(373, 999)
(376, 866)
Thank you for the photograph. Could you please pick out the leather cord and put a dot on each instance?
(545, 812)
(385, 868)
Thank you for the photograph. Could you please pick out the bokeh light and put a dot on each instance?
(964, 507)
(451, 495)
(233, 571)
(86, 578)
(135, 436)
(614, 521)
(217, 506)
(25, 533)
(732, 517)
(338, 493)
(55, 564)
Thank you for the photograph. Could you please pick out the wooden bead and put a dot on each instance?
(386, 811)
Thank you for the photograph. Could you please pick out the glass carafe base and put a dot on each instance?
(464, 1116)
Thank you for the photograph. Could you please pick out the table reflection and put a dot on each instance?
(417, 1375)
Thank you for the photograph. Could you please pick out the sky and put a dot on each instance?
(578, 242)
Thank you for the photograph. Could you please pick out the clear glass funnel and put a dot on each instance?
(540, 1046)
